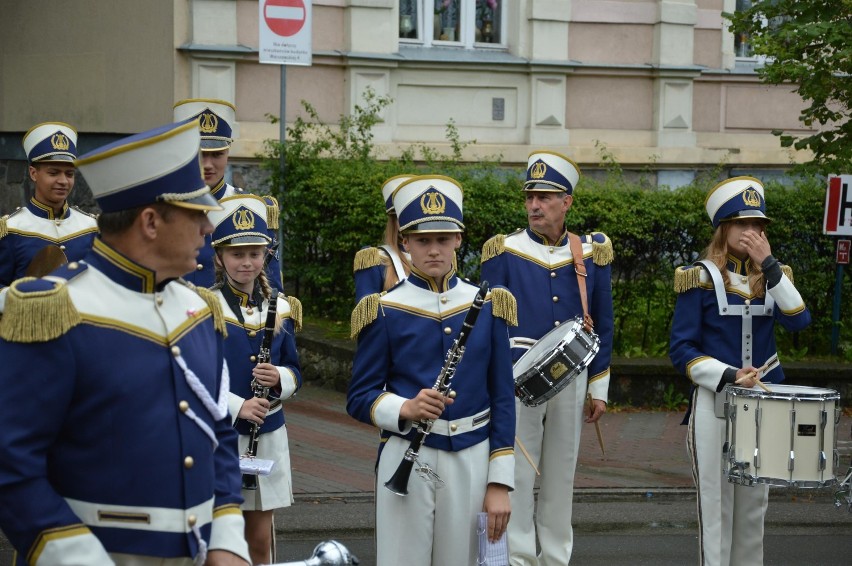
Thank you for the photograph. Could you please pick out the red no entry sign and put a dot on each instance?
(284, 17)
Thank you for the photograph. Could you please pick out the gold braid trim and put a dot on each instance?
(504, 305)
(602, 253)
(272, 213)
(686, 278)
(367, 258)
(215, 309)
(493, 247)
(788, 271)
(295, 312)
(366, 311)
(4, 228)
(37, 316)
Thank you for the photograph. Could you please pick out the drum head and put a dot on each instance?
(782, 391)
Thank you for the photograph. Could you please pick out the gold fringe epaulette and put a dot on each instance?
(504, 305)
(215, 309)
(37, 316)
(788, 271)
(295, 312)
(273, 212)
(493, 247)
(602, 253)
(367, 258)
(686, 278)
(366, 311)
(4, 227)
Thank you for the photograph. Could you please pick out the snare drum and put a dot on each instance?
(554, 362)
(785, 437)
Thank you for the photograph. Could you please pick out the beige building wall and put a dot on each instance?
(654, 81)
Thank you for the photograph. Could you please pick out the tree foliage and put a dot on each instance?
(806, 43)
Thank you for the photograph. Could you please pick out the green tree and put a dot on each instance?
(806, 43)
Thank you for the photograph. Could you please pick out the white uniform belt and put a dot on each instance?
(521, 342)
(466, 424)
(158, 519)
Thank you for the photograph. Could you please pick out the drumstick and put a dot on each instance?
(526, 455)
(597, 424)
(769, 362)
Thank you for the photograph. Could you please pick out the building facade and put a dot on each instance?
(659, 85)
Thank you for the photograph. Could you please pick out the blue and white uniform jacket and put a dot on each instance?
(370, 269)
(205, 272)
(542, 278)
(716, 327)
(245, 317)
(29, 229)
(115, 429)
(403, 339)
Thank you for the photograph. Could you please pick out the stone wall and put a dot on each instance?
(16, 188)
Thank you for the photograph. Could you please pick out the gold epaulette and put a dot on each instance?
(493, 247)
(686, 278)
(366, 258)
(788, 271)
(295, 312)
(366, 311)
(4, 227)
(504, 305)
(215, 309)
(37, 316)
(81, 211)
(272, 212)
(602, 253)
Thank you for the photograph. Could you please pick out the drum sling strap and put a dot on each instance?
(580, 268)
(396, 261)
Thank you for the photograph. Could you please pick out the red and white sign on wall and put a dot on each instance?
(843, 249)
(285, 32)
(838, 206)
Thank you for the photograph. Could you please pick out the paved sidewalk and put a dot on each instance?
(332, 454)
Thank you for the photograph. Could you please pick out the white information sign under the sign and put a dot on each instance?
(285, 32)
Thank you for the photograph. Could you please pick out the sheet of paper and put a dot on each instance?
(490, 553)
(256, 466)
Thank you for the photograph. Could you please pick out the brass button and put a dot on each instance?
(175, 351)
(253, 358)
(452, 394)
(454, 427)
(555, 299)
(191, 520)
(443, 300)
(550, 249)
(252, 334)
(556, 323)
(199, 267)
(62, 248)
(448, 330)
(748, 302)
(183, 406)
(73, 265)
(159, 299)
(552, 274)
(188, 462)
(249, 310)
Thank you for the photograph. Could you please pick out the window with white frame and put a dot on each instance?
(466, 23)
(742, 41)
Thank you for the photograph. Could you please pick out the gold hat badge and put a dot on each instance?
(433, 202)
(60, 142)
(209, 123)
(538, 170)
(751, 197)
(243, 219)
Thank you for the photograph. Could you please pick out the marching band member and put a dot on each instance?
(403, 338)
(217, 119)
(47, 220)
(378, 269)
(723, 329)
(537, 265)
(240, 240)
(129, 457)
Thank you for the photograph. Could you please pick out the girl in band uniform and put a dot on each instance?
(723, 330)
(240, 241)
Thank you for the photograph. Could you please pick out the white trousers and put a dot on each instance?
(551, 435)
(730, 516)
(431, 526)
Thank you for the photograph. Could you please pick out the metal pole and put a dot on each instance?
(282, 166)
(835, 313)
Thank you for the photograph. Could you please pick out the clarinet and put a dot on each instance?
(398, 483)
(258, 390)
